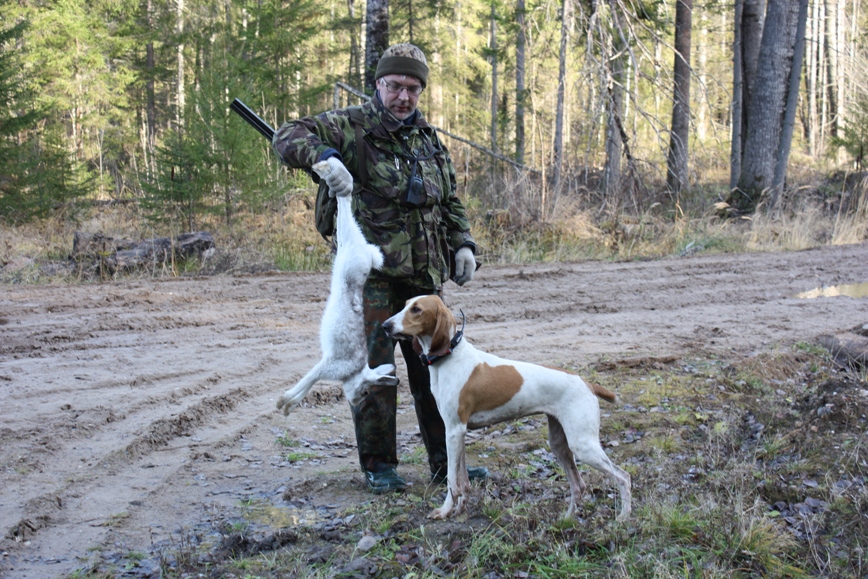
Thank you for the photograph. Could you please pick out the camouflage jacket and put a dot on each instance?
(416, 238)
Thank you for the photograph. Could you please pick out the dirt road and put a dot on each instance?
(136, 409)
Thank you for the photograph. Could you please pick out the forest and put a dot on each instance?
(612, 124)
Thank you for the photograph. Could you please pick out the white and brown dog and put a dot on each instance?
(475, 389)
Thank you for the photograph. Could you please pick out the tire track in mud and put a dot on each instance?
(147, 411)
(102, 490)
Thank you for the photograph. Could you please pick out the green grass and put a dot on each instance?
(299, 456)
(287, 442)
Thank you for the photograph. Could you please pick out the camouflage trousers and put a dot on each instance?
(374, 417)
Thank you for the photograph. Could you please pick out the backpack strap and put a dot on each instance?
(358, 118)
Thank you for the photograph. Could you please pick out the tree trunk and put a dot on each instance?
(841, 55)
(822, 65)
(753, 24)
(811, 80)
(737, 97)
(677, 177)
(702, 74)
(181, 95)
(150, 69)
(767, 102)
(783, 153)
(614, 109)
(520, 48)
(831, 80)
(354, 69)
(559, 109)
(376, 39)
(492, 46)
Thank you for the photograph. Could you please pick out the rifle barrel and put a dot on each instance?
(253, 119)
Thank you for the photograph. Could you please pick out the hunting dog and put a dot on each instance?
(475, 389)
(342, 331)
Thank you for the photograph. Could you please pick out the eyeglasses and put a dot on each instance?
(396, 88)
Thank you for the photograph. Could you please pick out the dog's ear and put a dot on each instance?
(442, 330)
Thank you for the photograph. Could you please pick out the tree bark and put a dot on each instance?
(677, 176)
(492, 46)
(520, 48)
(767, 102)
(181, 95)
(737, 97)
(150, 68)
(831, 81)
(354, 77)
(702, 74)
(753, 24)
(376, 39)
(783, 153)
(615, 107)
(559, 108)
(811, 81)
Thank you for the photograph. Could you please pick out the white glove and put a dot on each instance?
(465, 265)
(339, 180)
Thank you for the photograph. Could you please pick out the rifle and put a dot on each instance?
(255, 121)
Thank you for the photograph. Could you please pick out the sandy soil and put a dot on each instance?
(137, 409)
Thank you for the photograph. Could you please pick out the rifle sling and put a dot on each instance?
(356, 117)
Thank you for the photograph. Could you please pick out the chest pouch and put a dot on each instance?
(415, 195)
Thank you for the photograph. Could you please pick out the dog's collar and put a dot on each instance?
(429, 359)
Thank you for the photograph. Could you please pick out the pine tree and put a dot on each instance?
(36, 171)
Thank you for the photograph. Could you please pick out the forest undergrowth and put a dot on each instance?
(577, 224)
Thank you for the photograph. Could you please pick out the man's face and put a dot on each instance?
(399, 94)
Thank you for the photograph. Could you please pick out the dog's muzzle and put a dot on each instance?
(389, 328)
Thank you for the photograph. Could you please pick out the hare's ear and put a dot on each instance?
(442, 330)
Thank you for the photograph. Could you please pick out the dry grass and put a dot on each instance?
(580, 227)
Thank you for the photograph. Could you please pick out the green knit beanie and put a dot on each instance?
(403, 59)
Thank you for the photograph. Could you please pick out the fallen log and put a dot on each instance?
(111, 254)
(656, 362)
(850, 349)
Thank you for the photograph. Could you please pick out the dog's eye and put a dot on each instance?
(416, 310)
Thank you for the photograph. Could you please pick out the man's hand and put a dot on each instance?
(465, 265)
(339, 180)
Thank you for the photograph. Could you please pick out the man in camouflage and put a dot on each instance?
(404, 200)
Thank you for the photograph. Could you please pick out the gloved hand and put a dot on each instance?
(465, 265)
(339, 180)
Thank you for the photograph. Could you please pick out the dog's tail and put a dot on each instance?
(601, 392)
